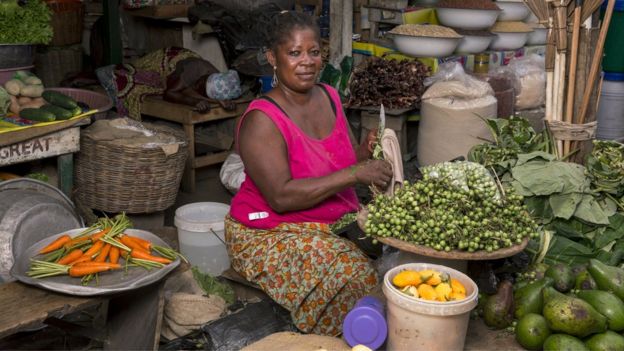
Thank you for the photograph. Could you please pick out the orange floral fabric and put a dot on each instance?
(304, 267)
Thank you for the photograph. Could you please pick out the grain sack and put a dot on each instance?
(450, 126)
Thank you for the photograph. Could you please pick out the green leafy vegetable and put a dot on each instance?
(212, 286)
(28, 24)
(605, 167)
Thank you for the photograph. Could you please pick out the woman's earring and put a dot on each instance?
(274, 81)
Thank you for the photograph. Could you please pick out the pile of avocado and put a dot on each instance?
(566, 308)
(59, 107)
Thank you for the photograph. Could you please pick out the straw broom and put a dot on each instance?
(541, 10)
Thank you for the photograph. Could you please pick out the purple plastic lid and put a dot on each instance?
(365, 325)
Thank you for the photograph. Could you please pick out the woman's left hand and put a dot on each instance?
(369, 143)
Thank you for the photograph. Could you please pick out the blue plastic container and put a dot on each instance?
(366, 324)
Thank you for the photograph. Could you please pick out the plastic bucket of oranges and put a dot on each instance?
(428, 307)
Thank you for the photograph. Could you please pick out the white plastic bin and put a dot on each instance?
(611, 108)
(416, 324)
(201, 235)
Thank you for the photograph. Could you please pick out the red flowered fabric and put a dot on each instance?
(313, 273)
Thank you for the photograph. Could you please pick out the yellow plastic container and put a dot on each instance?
(416, 324)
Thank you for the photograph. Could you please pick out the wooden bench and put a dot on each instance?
(185, 115)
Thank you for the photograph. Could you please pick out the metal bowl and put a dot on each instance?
(538, 36)
(509, 40)
(474, 44)
(512, 11)
(470, 19)
(425, 46)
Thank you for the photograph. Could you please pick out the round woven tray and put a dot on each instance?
(480, 255)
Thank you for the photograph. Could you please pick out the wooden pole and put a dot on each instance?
(596, 60)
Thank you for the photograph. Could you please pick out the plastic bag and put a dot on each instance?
(530, 81)
(232, 173)
(451, 81)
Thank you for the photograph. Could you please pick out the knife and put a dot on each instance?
(378, 151)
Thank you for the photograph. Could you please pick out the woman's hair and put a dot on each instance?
(285, 23)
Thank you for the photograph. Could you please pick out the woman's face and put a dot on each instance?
(298, 60)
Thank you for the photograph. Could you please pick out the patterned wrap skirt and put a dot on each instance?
(304, 267)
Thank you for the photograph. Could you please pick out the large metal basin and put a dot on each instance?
(30, 211)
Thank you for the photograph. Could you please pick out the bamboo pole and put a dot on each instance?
(569, 114)
(596, 60)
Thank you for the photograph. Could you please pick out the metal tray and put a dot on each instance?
(109, 282)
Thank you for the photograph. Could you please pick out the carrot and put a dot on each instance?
(113, 254)
(56, 244)
(99, 264)
(70, 257)
(131, 244)
(82, 259)
(145, 244)
(79, 270)
(94, 249)
(146, 256)
(91, 238)
(103, 253)
(97, 236)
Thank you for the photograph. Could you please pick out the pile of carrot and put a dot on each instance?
(98, 249)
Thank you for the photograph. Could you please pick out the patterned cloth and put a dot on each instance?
(313, 273)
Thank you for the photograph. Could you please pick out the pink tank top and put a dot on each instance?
(308, 158)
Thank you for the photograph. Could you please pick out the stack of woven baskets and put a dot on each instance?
(64, 55)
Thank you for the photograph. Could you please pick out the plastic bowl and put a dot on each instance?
(470, 19)
(509, 41)
(538, 36)
(512, 11)
(425, 46)
(474, 44)
(531, 18)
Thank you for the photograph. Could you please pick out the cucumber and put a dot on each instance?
(59, 112)
(36, 114)
(59, 99)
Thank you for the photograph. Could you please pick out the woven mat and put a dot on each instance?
(289, 341)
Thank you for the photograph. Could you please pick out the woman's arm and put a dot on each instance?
(264, 153)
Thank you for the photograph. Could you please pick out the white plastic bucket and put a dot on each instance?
(416, 324)
(610, 115)
(201, 235)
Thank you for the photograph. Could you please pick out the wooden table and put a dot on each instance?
(60, 139)
(185, 115)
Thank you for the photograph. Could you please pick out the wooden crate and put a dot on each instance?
(398, 123)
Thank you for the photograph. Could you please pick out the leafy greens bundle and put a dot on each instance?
(27, 24)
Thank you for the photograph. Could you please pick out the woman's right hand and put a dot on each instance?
(374, 172)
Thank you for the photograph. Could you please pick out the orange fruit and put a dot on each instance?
(457, 286)
(406, 278)
(427, 292)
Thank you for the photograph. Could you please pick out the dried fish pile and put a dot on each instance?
(393, 83)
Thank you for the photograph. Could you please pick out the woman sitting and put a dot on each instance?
(300, 167)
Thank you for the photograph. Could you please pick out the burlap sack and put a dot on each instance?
(449, 127)
(289, 341)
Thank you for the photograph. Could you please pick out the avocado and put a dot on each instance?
(563, 342)
(571, 315)
(606, 304)
(562, 276)
(607, 341)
